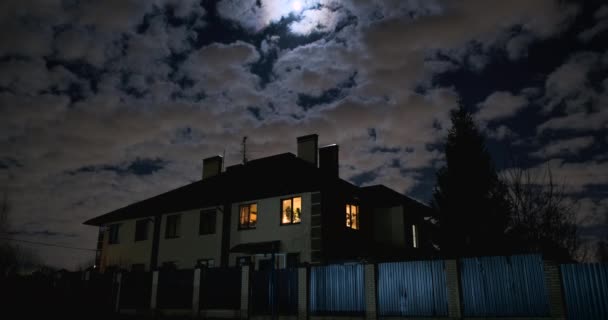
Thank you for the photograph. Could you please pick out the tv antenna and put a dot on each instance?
(244, 149)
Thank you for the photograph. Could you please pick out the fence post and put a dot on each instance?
(554, 289)
(244, 292)
(196, 291)
(370, 292)
(302, 293)
(118, 284)
(154, 290)
(452, 277)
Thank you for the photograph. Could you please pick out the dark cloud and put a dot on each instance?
(114, 101)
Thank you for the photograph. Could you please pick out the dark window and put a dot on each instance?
(243, 261)
(291, 210)
(205, 263)
(173, 225)
(138, 267)
(113, 233)
(248, 216)
(141, 230)
(207, 222)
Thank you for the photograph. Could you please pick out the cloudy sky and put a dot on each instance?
(104, 103)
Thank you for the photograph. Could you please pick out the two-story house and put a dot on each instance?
(293, 208)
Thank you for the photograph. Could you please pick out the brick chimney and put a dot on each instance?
(328, 160)
(308, 148)
(212, 166)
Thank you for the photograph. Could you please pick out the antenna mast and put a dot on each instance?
(244, 149)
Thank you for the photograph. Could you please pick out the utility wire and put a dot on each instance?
(47, 244)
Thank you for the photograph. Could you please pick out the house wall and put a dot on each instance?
(294, 238)
(389, 226)
(128, 251)
(341, 243)
(190, 246)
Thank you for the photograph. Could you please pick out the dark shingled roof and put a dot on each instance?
(272, 176)
(381, 195)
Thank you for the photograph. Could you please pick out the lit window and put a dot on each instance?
(207, 222)
(141, 230)
(415, 236)
(352, 216)
(248, 216)
(113, 233)
(291, 210)
(172, 227)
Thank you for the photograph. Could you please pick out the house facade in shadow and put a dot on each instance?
(293, 209)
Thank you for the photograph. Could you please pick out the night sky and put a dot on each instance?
(104, 103)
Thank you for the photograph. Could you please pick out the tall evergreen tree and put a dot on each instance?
(469, 198)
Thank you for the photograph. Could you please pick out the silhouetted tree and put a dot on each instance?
(543, 217)
(12, 258)
(469, 199)
(8, 253)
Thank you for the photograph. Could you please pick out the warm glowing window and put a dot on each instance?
(291, 210)
(415, 236)
(352, 216)
(248, 216)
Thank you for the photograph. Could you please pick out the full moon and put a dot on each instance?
(297, 5)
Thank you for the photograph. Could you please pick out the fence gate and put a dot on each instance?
(175, 289)
(586, 290)
(135, 290)
(220, 288)
(278, 291)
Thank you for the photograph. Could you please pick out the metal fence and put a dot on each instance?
(175, 289)
(220, 288)
(585, 290)
(416, 288)
(278, 292)
(337, 289)
(136, 290)
(504, 286)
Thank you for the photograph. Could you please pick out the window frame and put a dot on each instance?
(350, 215)
(248, 226)
(281, 211)
(178, 222)
(211, 228)
(138, 235)
(114, 233)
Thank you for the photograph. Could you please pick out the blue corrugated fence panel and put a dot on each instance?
(585, 290)
(415, 288)
(337, 289)
(504, 286)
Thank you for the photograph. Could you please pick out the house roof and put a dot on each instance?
(381, 195)
(272, 176)
(277, 175)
